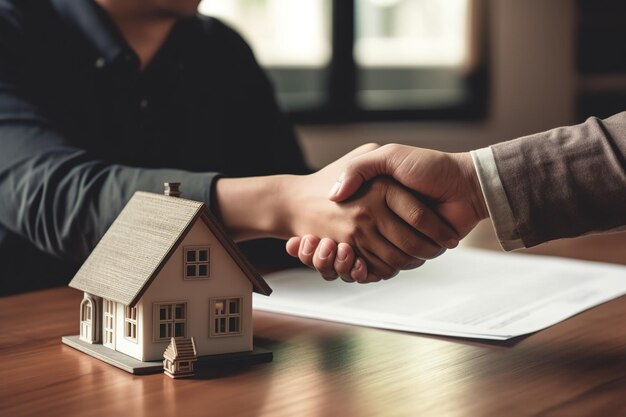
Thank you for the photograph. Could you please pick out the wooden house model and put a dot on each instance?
(179, 357)
(165, 268)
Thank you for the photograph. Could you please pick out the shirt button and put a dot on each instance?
(143, 104)
(100, 62)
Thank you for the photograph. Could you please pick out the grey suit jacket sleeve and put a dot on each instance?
(567, 181)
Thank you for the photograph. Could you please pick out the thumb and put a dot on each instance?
(358, 171)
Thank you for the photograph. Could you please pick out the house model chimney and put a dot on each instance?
(171, 189)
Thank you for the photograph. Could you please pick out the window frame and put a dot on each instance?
(130, 323)
(213, 316)
(341, 90)
(171, 321)
(197, 263)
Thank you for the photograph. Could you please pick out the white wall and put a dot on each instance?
(227, 280)
(531, 46)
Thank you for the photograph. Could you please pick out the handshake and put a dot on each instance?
(391, 208)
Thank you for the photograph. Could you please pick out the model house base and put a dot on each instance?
(137, 367)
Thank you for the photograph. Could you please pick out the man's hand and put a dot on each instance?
(448, 181)
(384, 222)
(379, 222)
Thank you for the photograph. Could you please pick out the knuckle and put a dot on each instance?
(416, 216)
(370, 146)
(390, 147)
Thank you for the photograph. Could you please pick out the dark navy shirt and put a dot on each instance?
(82, 129)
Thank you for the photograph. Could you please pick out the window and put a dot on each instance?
(108, 308)
(170, 321)
(86, 316)
(130, 323)
(226, 318)
(197, 263)
(345, 60)
(291, 39)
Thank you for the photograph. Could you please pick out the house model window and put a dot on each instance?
(197, 263)
(226, 316)
(108, 308)
(171, 321)
(130, 323)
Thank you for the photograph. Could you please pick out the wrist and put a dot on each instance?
(255, 207)
(472, 184)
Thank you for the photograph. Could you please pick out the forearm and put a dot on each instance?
(63, 201)
(254, 207)
(564, 182)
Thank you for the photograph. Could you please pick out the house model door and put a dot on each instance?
(86, 320)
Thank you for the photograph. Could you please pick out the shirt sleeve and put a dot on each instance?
(55, 195)
(565, 182)
(495, 197)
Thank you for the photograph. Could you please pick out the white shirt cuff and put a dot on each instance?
(497, 203)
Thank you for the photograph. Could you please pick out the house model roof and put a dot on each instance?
(140, 241)
(181, 348)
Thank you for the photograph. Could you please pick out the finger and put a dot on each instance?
(394, 258)
(421, 218)
(360, 169)
(406, 239)
(324, 259)
(307, 248)
(344, 261)
(359, 270)
(292, 246)
(377, 267)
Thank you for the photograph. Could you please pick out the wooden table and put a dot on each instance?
(577, 367)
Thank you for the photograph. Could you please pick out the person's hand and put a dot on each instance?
(389, 227)
(330, 259)
(385, 223)
(448, 181)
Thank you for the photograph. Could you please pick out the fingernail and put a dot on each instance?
(308, 247)
(335, 189)
(452, 243)
(337, 186)
(325, 251)
(342, 253)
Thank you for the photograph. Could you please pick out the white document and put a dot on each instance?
(466, 293)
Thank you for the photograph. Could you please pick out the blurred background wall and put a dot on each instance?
(531, 57)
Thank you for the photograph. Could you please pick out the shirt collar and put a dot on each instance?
(97, 27)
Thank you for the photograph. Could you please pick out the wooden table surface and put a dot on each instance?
(575, 368)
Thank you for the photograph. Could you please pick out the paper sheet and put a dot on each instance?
(466, 293)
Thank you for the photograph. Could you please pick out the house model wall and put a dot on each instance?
(166, 269)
